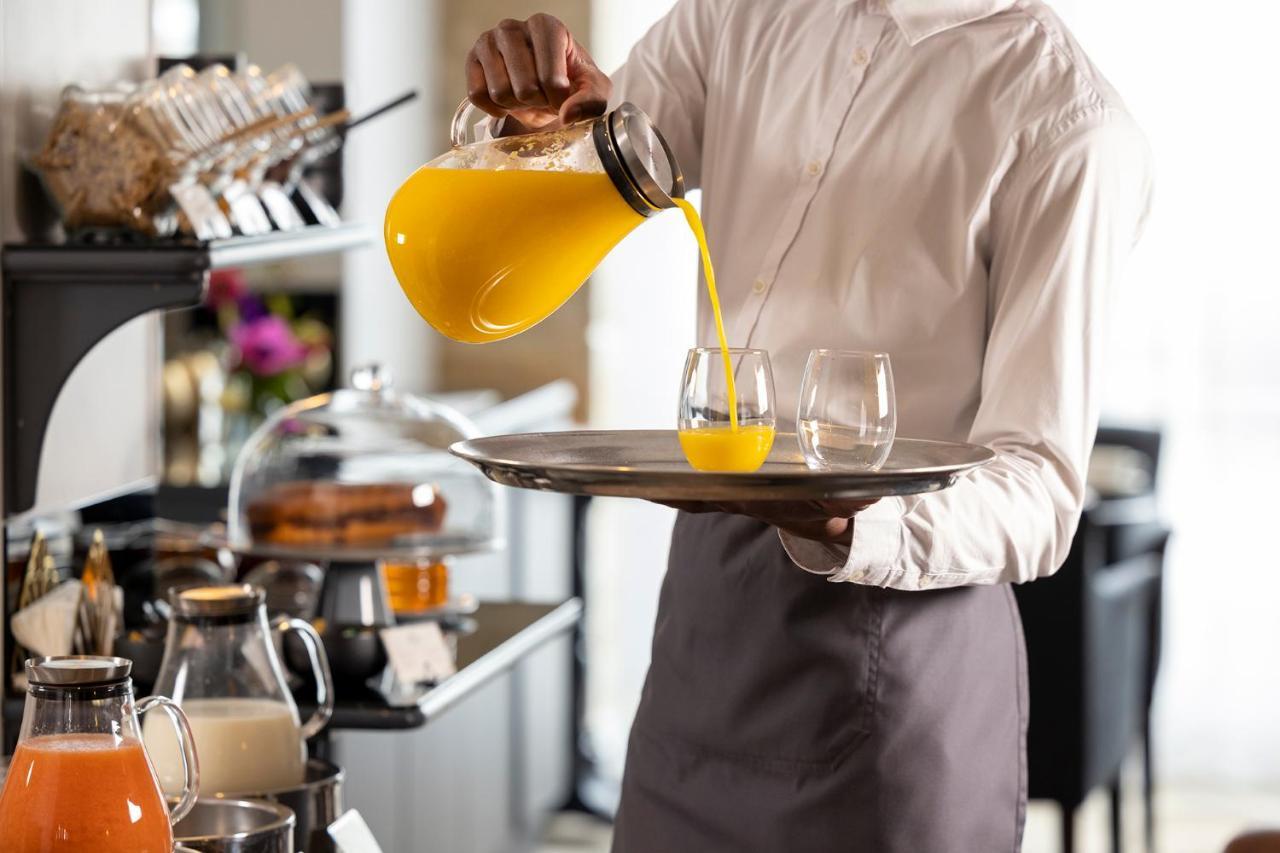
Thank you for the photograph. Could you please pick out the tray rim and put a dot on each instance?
(459, 449)
(798, 483)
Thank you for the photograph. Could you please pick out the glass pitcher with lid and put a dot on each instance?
(495, 235)
(80, 778)
(221, 666)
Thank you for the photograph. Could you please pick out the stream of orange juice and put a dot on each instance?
(734, 448)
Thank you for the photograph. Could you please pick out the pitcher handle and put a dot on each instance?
(471, 124)
(190, 761)
(319, 668)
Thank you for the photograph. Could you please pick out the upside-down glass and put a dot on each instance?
(708, 438)
(847, 416)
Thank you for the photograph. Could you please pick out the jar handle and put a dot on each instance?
(190, 761)
(472, 124)
(319, 668)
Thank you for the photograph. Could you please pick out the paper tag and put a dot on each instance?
(352, 834)
(418, 652)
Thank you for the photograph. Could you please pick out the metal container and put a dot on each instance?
(237, 826)
(316, 803)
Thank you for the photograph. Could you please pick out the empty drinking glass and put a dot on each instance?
(847, 415)
(711, 439)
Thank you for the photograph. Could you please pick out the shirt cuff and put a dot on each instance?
(872, 557)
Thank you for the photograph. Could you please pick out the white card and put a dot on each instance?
(352, 834)
(418, 652)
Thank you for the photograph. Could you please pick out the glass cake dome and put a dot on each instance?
(361, 474)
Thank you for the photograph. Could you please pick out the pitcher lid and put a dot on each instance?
(226, 600)
(77, 670)
(638, 159)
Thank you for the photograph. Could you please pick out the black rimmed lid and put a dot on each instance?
(215, 601)
(77, 670)
(638, 160)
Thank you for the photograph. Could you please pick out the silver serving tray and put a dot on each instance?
(649, 464)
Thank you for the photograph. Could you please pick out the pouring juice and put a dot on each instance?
(494, 236)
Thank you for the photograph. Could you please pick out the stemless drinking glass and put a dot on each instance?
(847, 415)
(710, 439)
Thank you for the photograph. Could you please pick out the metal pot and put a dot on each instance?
(237, 826)
(316, 803)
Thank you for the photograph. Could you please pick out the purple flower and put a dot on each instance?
(267, 345)
(251, 307)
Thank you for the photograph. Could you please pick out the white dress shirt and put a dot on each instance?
(950, 181)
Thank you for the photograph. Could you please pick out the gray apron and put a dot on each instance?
(786, 714)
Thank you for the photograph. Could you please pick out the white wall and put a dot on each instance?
(1196, 347)
(643, 305)
(105, 427)
(383, 55)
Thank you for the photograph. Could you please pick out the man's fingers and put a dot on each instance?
(550, 41)
(512, 41)
(478, 87)
(591, 90)
(693, 506)
(830, 530)
(497, 81)
(845, 508)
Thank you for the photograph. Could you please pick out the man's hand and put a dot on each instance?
(821, 521)
(535, 72)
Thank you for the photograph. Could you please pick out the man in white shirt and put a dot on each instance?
(949, 181)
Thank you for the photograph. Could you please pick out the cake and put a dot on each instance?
(318, 512)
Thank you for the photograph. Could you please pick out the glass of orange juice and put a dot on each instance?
(726, 418)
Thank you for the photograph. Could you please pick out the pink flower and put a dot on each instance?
(225, 286)
(267, 345)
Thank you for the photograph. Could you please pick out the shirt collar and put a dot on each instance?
(919, 19)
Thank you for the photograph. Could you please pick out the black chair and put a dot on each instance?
(1093, 643)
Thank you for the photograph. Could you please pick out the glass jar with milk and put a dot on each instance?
(221, 666)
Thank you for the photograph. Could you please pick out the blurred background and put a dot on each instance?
(1194, 366)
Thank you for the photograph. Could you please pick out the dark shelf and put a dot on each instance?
(314, 240)
(60, 300)
(505, 633)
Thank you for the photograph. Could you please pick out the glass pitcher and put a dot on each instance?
(221, 666)
(80, 779)
(495, 235)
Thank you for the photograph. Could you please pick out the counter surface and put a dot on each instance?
(505, 632)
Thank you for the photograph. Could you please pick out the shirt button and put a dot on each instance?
(861, 57)
(814, 168)
(759, 285)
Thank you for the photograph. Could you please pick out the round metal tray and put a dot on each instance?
(649, 464)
